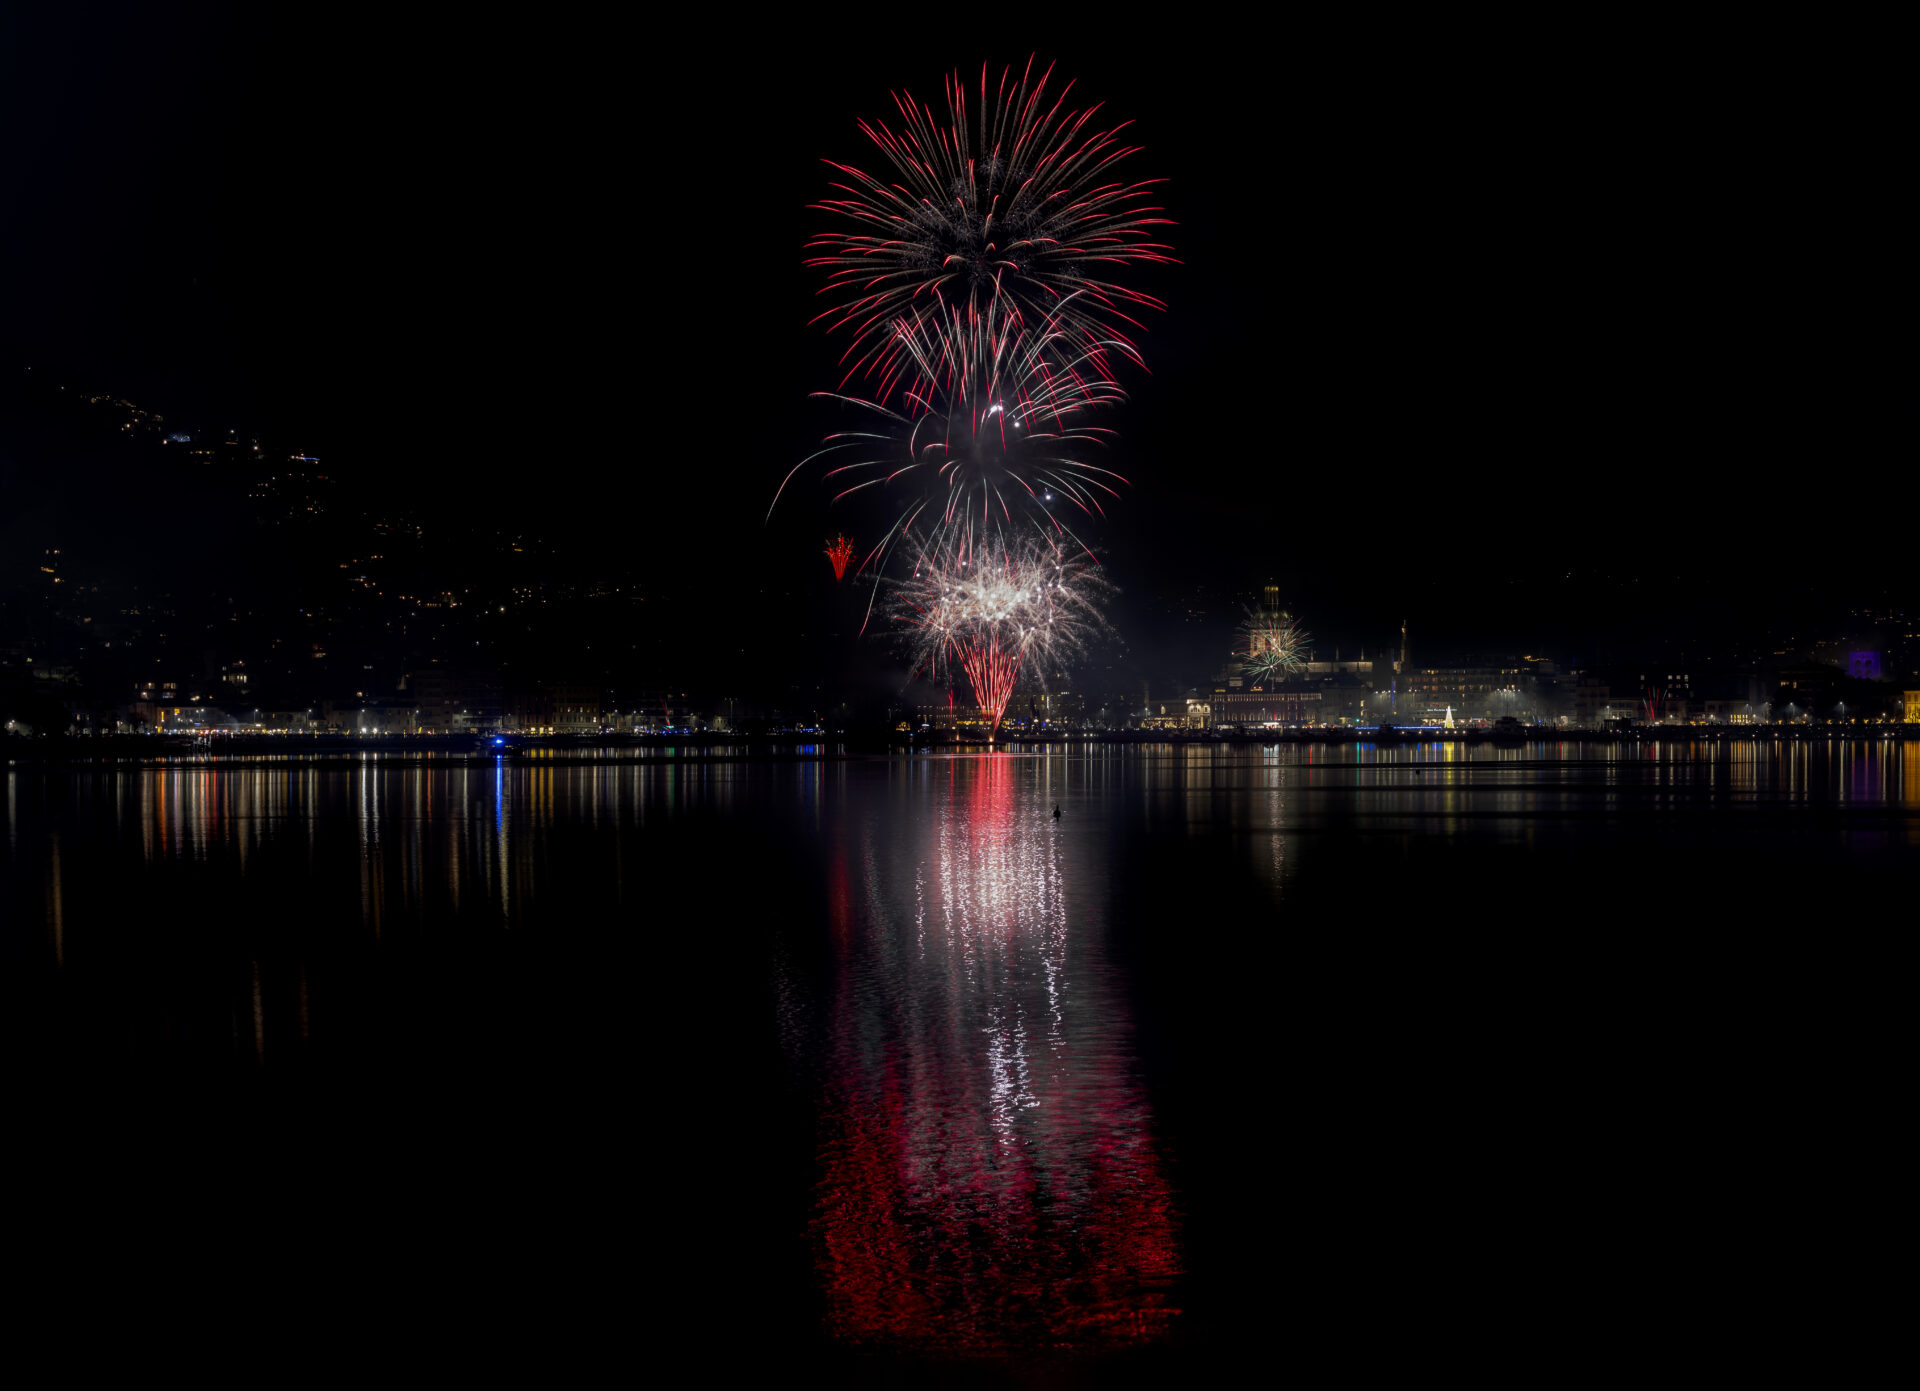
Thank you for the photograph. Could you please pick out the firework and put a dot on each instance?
(992, 668)
(994, 427)
(977, 288)
(1272, 645)
(839, 552)
(1022, 205)
(993, 610)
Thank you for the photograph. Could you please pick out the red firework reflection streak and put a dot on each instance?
(909, 1266)
(990, 1175)
(992, 669)
(840, 555)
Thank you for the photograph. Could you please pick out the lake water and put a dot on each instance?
(874, 1067)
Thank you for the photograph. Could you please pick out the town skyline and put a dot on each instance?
(351, 607)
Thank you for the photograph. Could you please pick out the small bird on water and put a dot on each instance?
(1056, 811)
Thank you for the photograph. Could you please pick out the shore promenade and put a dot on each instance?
(810, 744)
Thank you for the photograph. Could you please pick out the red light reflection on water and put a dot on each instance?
(989, 1176)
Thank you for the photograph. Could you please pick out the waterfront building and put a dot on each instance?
(951, 717)
(1285, 703)
(1469, 692)
(1666, 695)
(578, 708)
(1049, 709)
(1308, 692)
(370, 715)
(1319, 693)
(456, 700)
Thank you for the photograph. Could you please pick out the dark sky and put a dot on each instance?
(1536, 338)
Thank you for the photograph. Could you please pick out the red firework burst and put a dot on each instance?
(988, 611)
(839, 555)
(991, 668)
(1021, 204)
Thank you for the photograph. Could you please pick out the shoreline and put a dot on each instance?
(255, 750)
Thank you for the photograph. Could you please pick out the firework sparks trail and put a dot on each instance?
(1272, 645)
(991, 428)
(1022, 204)
(995, 606)
(976, 290)
(976, 286)
(991, 670)
(839, 554)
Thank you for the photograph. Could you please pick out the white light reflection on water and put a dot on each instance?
(989, 1173)
(973, 1053)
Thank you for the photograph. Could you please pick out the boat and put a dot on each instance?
(1507, 730)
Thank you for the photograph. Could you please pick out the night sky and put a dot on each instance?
(1543, 342)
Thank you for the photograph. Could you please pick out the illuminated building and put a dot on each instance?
(1059, 709)
(954, 716)
(562, 707)
(1173, 717)
(1471, 692)
(578, 708)
(370, 715)
(1288, 704)
(531, 710)
(1249, 693)
(1319, 693)
(454, 700)
(1666, 695)
(1808, 687)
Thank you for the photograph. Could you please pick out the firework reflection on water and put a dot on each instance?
(989, 1174)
